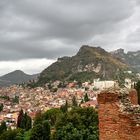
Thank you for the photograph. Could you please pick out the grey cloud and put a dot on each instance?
(134, 37)
(53, 28)
(133, 40)
(33, 49)
(65, 19)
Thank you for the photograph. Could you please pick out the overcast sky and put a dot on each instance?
(34, 33)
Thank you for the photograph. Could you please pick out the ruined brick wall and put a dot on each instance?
(133, 97)
(118, 119)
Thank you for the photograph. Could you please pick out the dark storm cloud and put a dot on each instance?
(53, 28)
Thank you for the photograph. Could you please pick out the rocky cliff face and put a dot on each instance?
(130, 58)
(88, 63)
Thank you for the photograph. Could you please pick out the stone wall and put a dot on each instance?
(119, 119)
(133, 97)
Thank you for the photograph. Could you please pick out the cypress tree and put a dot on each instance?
(74, 102)
(86, 98)
(64, 108)
(137, 87)
(28, 124)
(1, 107)
(24, 121)
(20, 118)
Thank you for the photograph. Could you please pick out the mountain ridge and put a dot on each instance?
(131, 58)
(16, 77)
(90, 62)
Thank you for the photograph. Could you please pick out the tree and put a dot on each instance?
(27, 122)
(36, 132)
(3, 127)
(46, 130)
(19, 136)
(5, 97)
(86, 99)
(137, 87)
(16, 99)
(54, 89)
(15, 134)
(1, 107)
(38, 118)
(52, 115)
(20, 118)
(78, 124)
(68, 132)
(27, 135)
(74, 102)
(61, 85)
(41, 131)
(24, 121)
(82, 101)
(41, 127)
(64, 108)
(79, 83)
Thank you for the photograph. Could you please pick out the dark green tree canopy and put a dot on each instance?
(137, 87)
(75, 124)
(64, 108)
(74, 102)
(78, 124)
(24, 121)
(86, 98)
(3, 127)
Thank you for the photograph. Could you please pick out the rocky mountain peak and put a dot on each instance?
(118, 51)
(131, 58)
(89, 63)
(90, 50)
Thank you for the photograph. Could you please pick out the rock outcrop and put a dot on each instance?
(87, 64)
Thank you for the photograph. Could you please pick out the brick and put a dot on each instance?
(115, 124)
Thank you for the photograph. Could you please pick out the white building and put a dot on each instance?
(104, 84)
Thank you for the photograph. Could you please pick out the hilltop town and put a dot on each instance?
(54, 95)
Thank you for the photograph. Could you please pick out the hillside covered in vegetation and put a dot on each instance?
(87, 64)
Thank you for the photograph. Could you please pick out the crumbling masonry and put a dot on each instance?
(119, 115)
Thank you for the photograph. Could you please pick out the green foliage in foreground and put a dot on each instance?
(3, 127)
(76, 124)
(41, 131)
(12, 135)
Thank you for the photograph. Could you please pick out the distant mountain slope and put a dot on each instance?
(88, 63)
(130, 58)
(16, 77)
